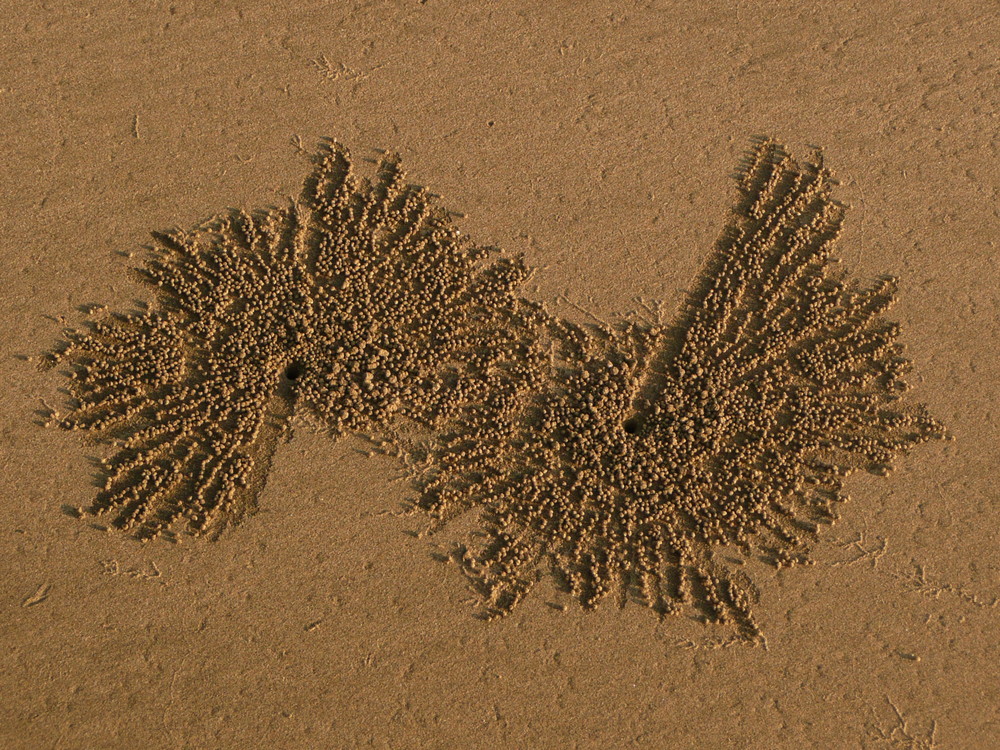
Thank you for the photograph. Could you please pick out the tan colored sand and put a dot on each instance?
(598, 141)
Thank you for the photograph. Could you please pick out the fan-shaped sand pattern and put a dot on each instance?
(358, 305)
(648, 449)
(619, 457)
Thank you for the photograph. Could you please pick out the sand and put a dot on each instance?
(600, 144)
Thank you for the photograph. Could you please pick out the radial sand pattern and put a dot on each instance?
(359, 305)
(649, 449)
(623, 457)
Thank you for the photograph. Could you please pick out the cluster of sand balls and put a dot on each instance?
(359, 305)
(620, 457)
(645, 452)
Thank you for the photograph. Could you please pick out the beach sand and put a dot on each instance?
(600, 143)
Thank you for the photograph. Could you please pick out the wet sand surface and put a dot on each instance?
(601, 144)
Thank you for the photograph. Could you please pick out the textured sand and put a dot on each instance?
(599, 144)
